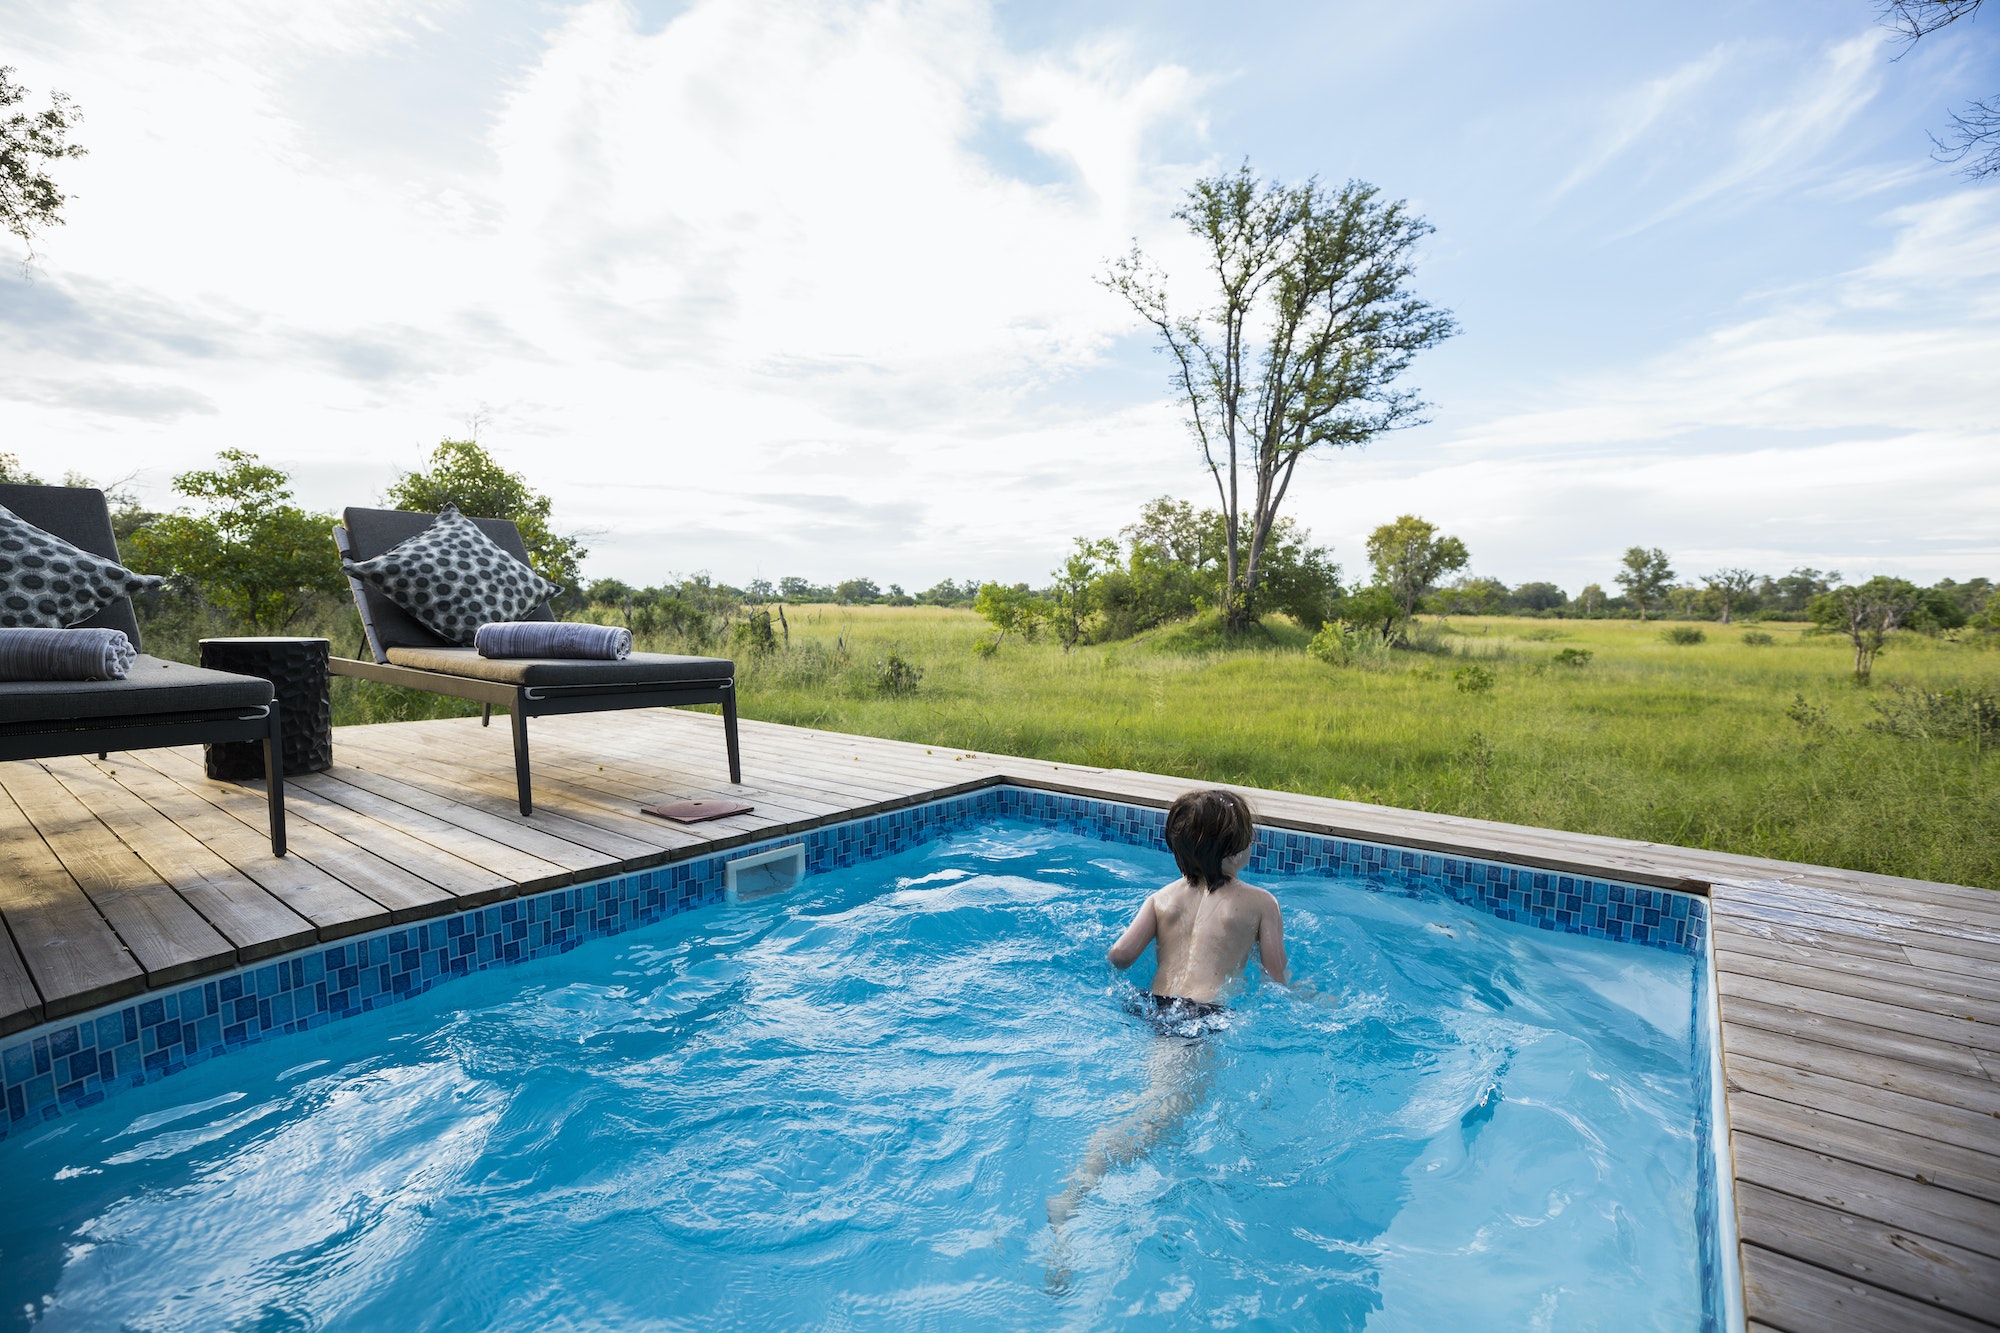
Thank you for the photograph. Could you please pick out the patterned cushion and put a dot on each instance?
(45, 583)
(454, 578)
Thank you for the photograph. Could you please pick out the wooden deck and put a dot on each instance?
(1860, 1013)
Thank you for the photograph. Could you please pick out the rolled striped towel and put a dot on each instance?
(553, 638)
(65, 654)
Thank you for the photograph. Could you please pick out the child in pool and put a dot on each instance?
(1206, 921)
(1205, 924)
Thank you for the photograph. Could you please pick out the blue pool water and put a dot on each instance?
(847, 1108)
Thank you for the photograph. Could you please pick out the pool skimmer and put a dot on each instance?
(766, 874)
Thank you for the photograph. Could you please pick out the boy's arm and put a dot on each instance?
(1136, 937)
(1271, 942)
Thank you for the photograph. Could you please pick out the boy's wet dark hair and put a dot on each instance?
(1204, 828)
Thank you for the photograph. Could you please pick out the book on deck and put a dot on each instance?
(696, 812)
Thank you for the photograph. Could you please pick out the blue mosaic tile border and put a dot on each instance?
(1575, 904)
(75, 1063)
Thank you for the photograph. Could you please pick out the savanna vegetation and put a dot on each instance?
(1751, 739)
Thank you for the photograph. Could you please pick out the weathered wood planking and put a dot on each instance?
(1861, 1013)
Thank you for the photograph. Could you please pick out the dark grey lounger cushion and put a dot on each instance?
(638, 669)
(153, 686)
(78, 515)
(370, 532)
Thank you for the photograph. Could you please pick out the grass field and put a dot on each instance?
(1696, 745)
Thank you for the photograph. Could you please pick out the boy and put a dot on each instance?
(1205, 923)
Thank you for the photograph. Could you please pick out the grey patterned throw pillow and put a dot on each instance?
(454, 578)
(45, 583)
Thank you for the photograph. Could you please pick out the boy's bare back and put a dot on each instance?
(1205, 937)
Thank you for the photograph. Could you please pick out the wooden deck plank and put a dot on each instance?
(1897, 1201)
(1947, 1028)
(256, 924)
(1939, 999)
(526, 872)
(1734, 913)
(1928, 1271)
(477, 792)
(556, 850)
(1882, 1148)
(400, 895)
(168, 938)
(72, 954)
(332, 907)
(1893, 972)
(20, 1002)
(438, 765)
(1859, 1101)
(1976, 1093)
(1785, 1293)
(1814, 1026)
(467, 884)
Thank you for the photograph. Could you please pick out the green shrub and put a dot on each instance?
(986, 645)
(1473, 679)
(1574, 657)
(1341, 644)
(895, 675)
(1757, 638)
(1684, 635)
(1956, 713)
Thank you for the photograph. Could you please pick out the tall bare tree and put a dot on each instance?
(1974, 136)
(1730, 587)
(1311, 326)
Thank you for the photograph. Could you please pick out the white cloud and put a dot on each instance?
(757, 251)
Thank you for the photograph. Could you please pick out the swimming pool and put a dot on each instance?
(848, 1107)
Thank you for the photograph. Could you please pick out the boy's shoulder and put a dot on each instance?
(1262, 897)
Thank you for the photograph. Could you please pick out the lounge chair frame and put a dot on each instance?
(58, 737)
(525, 701)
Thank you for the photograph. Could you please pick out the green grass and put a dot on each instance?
(1686, 743)
(1692, 744)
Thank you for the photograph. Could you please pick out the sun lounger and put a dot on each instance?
(409, 654)
(158, 704)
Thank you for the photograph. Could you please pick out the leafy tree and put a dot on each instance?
(1591, 599)
(1012, 610)
(1732, 587)
(1867, 615)
(1794, 593)
(1312, 325)
(1470, 596)
(461, 472)
(1646, 577)
(795, 589)
(28, 143)
(857, 590)
(253, 553)
(1539, 597)
(1375, 609)
(1937, 610)
(1074, 595)
(1410, 556)
(1971, 597)
(13, 474)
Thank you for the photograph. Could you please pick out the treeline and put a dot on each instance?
(1172, 565)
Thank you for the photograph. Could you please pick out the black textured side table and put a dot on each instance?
(297, 668)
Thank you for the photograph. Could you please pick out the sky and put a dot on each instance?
(765, 289)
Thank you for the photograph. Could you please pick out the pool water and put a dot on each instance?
(849, 1108)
